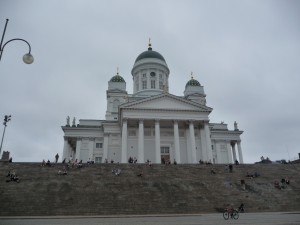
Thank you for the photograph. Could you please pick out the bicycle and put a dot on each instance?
(233, 213)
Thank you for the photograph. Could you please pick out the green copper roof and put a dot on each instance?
(192, 82)
(117, 78)
(150, 54)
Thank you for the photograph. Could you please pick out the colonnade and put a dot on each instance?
(240, 154)
(191, 139)
(73, 149)
(74, 153)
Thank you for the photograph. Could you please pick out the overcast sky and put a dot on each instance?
(246, 54)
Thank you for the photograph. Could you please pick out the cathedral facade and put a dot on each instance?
(152, 124)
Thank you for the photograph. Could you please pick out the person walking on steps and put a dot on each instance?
(56, 157)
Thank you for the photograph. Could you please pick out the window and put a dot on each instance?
(147, 132)
(161, 85)
(152, 74)
(181, 133)
(152, 83)
(132, 133)
(144, 75)
(164, 150)
(160, 76)
(99, 145)
(144, 84)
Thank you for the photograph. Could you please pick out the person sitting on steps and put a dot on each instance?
(48, 163)
(140, 174)
(13, 177)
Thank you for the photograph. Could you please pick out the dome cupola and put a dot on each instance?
(117, 82)
(150, 73)
(150, 54)
(117, 78)
(194, 91)
(192, 82)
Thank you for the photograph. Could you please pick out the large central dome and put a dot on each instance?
(150, 54)
(150, 73)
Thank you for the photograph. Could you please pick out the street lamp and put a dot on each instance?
(6, 120)
(27, 58)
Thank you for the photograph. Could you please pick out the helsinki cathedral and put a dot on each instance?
(151, 123)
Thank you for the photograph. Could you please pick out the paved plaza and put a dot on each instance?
(274, 218)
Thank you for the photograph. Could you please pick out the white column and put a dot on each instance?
(78, 146)
(148, 80)
(141, 142)
(124, 142)
(240, 152)
(91, 148)
(233, 151)
(105, 148)
(203, 144)
(229, 152)
(176, 142)
(66, 150)
(208, 143)
(192, 141)
(157, 142)
(188, 147)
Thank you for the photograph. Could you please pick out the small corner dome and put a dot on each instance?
(117, 78)
(150, 54)
(192, 82)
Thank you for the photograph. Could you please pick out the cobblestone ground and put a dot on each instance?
(276, 218)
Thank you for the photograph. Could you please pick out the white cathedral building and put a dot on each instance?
(151, 124)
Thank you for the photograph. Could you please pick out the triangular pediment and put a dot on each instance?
(166, 102)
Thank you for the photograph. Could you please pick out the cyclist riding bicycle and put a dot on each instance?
(230, 211)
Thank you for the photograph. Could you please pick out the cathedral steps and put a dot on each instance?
(95, 190)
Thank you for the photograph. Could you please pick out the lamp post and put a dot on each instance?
(6, 120)
(27, 58)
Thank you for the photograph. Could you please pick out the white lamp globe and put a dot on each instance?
(28, 58)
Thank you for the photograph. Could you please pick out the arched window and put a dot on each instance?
(153, 84)
(144, 83)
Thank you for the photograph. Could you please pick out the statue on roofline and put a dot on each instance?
(68, 121)
(74, 122)
(235, 126)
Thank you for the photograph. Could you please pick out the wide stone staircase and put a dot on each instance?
(182, 189)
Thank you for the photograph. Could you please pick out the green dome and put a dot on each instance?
(150, 54)
(117, 78)
(192, 82)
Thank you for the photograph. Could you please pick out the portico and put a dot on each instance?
(177, 135)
